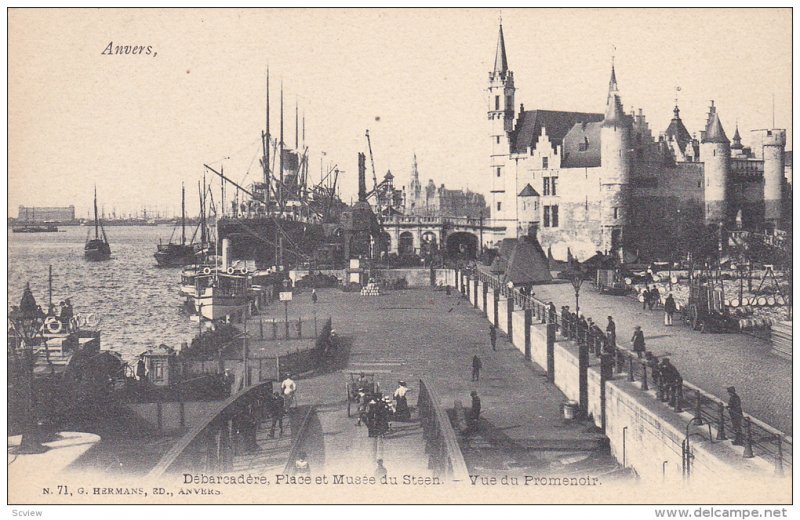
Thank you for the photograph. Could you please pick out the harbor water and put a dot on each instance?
(137, 302)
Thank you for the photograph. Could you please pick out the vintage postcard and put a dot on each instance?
(400, 256)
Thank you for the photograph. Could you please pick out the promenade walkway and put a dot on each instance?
(425, 333)
(711, 361)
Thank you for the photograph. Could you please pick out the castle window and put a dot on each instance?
(499, 205)
(544, 163)
(498, 172)
(554, 183)
(616, 213)
(497, 102)
(508, 102)
(546, 186)
(498, 139)
(551, 216)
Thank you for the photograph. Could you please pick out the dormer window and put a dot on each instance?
(544, 162)
(582, 147)
(497, 102)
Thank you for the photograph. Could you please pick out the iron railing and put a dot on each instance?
(759, 438)
(224, 432)
(444, 455)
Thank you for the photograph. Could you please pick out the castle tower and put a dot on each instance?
(501, 120)
(615, 157)
(715, 152)
(773, 143)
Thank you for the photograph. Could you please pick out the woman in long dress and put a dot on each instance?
(401, 412)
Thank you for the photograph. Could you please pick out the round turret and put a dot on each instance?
(715, 152)
(773, 142)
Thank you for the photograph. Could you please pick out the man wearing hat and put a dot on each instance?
(735, 409)
(475, 412)
(637, 341)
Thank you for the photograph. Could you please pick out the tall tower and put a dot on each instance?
(615, 160)
(414, 190)
(773, 143)
(715, 152)
(501, 121)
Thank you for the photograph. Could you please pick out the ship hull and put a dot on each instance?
(256, 238)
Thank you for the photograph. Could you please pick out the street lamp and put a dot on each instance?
(577, 280)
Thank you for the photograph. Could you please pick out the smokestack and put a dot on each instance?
(226, 253)
(362, 177)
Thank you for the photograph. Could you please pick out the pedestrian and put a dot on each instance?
(735, 410)
(551, 311)
(476, 368)
(276, 413)
(645, 298)
(493, 336)
(380, 471)
(669, 309)
(564, 320)
(401, 413)
(637, 341)
(611, 332)
(475, 412)
(655, 371)
(583, 327)
(301, 466)
(288, 387)
(447, 290)
(313, 296)
(228, 379)
(141, 371)
(655, 297)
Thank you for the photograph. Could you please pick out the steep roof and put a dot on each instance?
(500, 60)
(677, 131)
(528, 191)
(556, 123)
(581, 148)
(500, 263)
(714, 130)
(528, 263)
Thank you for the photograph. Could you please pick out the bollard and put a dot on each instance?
(630, 369)
(779, 457)
(721, 430)
(748, 443)
(698, 414)
(645, 388)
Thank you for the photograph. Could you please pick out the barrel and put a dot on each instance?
(735, 302)
(656, 278)
(726, 302)
(770, 301)
(674, 278)
(779, 300)
(628, 281)
(762, 301)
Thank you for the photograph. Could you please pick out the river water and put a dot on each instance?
(137, 301)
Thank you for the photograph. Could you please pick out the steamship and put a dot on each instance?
(283, 220)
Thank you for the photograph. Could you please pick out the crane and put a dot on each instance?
(374, 175)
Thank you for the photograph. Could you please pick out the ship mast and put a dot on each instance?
(266, 144)
(183, 215)
(96, 227)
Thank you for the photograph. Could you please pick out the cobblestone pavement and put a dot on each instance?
(710, 361)
(425, 333)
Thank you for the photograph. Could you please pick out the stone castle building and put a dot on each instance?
(592, 182)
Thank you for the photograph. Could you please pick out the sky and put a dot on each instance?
(137, 126)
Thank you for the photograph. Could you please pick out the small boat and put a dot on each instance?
(28, 228)
(177, 255)
(220, 293)
(97, 248)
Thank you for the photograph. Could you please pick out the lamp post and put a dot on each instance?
(577, 280)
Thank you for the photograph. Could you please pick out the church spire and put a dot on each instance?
(500, 60)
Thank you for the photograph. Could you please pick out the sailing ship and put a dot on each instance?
(97, 248)
(178, 255)
(283, 220)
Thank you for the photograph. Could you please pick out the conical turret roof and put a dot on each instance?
(500, 60)
(614, 110)
(714, 131)
(737, 139)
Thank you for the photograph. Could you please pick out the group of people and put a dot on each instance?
(377, 411)
(651, 298)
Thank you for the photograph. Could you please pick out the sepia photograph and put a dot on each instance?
(400, 256)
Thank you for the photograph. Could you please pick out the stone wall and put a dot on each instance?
(644, 434)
